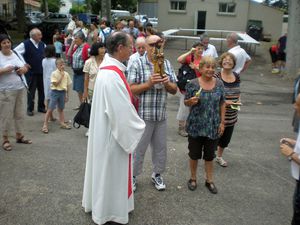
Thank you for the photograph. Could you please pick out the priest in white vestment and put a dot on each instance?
(115, 131)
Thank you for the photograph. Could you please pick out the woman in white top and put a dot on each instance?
(12, 92)
(91, 68)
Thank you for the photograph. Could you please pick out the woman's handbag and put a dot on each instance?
(185, 75)
(83, 115)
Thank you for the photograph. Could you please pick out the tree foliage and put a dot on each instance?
(280, 4)
(53, 5)
(20, 11)
(129, 5)
(78, 9)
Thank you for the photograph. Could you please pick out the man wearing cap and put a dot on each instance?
(151, 89)
(32, 50)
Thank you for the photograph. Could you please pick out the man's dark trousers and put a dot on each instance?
(296, 204)
(35, 81)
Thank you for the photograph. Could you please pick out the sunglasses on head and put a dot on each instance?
(152, 44)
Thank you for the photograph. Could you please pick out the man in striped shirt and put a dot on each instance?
(152, 89)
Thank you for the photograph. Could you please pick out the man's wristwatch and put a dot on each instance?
(290, 156)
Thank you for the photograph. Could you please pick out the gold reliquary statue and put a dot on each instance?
(158, 59)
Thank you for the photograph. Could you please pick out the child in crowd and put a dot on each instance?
(60, 87)
(49, 66)
(58, 46)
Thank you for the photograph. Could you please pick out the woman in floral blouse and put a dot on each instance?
(205, 124)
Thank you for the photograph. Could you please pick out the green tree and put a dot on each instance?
(95, 6)
(53, 5)
(280, 4)
(20, 11)
(77, 9)
(129, 5)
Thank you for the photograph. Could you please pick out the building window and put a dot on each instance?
(178, 5)
(227, 7)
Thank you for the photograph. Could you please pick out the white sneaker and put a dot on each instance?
(87, 133)
(221, 161)
(134, 184)
(275, 70)
(182, 132)
(158, 181)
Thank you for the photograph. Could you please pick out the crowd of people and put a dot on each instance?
(115, 69)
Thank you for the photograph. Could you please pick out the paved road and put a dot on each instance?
(42, 184)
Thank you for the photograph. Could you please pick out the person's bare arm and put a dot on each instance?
(287, 151)
(137, 89)
(86, 85)
(170, 86)
(182, 59)
(222, 115)
(246, 65)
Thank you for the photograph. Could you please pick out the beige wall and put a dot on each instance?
(213, 19)
(245, 10)
(272, 19)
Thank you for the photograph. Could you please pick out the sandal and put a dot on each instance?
(65, 126)
(211, 187)
(22, 140)
(6, 146)
(45, 130)
(221, 161)
(192, 184)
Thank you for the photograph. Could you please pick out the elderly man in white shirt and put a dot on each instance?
(209, 49)
(32, 50)
(243, 60)
(140, 45)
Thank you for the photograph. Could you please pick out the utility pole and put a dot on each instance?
(105, 9)
(46, 7)
(293, 37)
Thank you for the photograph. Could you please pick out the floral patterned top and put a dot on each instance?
(204, 118)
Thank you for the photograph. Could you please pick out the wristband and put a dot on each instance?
(290, 156)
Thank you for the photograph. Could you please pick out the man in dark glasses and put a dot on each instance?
(152, 89)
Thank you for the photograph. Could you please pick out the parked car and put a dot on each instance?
(4, 25)
(2, 29)
(57, 17)
(34, 13)
(29, 21)
(49, 24)
(142, 19)
(153, 21)
(118, 15)
(88, 18)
